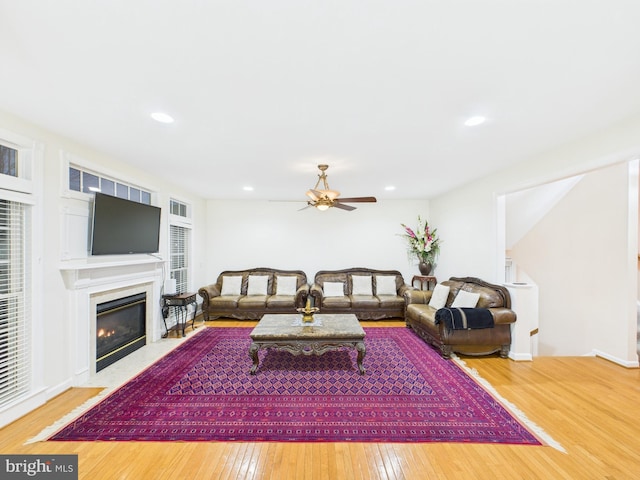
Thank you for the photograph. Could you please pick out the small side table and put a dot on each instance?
(181, 301)
(424, 280)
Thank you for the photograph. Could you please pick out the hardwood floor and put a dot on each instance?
(589, 405)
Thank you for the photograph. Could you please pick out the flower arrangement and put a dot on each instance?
(423, 242)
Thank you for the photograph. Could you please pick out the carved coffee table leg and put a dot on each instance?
(362, 351)
(253, 353)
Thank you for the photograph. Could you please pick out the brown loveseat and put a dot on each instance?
(249, 294)
(369, 294)
(421, 317)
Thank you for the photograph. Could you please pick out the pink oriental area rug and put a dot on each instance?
(202, 391)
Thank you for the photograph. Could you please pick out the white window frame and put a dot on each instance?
(27, 189)
(183, 222)
(68, 160)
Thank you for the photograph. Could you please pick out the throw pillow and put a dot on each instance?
(333, 289)
(257, 284)
(286, 285)
(439, 296)
(361, 285)
(386, 285)
(231, 285)
(465, 300)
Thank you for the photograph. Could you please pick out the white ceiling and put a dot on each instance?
(264, 90)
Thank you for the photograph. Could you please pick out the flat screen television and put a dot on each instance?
(122, 226)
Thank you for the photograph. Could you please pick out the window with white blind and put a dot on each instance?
(15, 322)
(180, 244)
(180, 241)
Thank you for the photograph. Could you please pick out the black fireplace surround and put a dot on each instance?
(120, 328)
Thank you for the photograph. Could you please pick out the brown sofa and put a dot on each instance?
(254, 295)
(368, 293)
(420, 317)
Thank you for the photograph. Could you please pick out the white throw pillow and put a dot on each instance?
(465, 300)
(231, 285)
(386, 285)
(257, 284)
(333, 289)
(286, 285)
(361, 285)
(439, 296)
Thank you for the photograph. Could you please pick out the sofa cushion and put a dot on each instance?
(257, 285)
(336, 302)
(361, 285)
(333, 289)
(386, 285)
(364, 301)
(281, 301)
(252, 302)
(391, 301)
(465, 299)
(228, 301)
(286, 285)
(439, 296)
(424, 313)
(231, 285)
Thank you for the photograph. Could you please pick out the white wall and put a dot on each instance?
(468, 220)
(278, 235)
(55, 365)
(572, 254)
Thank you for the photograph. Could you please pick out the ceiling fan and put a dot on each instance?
(323, 198)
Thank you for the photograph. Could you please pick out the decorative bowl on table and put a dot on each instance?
(307, 312)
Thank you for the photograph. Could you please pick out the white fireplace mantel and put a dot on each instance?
(89, 281)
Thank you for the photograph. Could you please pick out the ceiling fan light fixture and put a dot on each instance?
(330, 194)
(322, 207)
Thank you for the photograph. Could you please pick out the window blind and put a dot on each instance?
(180, 257)
(15, 334)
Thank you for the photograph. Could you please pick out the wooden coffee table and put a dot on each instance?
(289, 333)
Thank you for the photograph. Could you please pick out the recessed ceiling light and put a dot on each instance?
(473, 121)
(248, 189)
(389, 188)
(162, 117)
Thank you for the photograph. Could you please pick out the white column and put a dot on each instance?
(524, 332)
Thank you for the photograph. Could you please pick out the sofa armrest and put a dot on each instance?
(301, 296)
(502, 315)
(403, 289)
(413, 295)
(209, 292)
(316, 294)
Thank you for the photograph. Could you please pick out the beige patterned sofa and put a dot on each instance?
(368, 293)
(249, 294)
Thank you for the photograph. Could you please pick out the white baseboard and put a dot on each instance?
(619, 361)
(521, 357)
(56, 390)
(26, 405)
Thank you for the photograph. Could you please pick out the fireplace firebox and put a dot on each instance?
(120, 328)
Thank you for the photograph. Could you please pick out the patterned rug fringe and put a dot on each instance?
(519, 414)
(44, 435)
(77, 412)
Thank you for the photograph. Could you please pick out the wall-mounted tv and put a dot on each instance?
(123, 227)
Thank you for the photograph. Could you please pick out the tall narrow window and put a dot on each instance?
(180, 244)
(15, 320)
(180, 237)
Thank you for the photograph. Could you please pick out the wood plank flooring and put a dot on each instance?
(589, 405)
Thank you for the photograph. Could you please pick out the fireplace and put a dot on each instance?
(120, 328)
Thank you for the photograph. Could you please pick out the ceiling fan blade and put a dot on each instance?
(357, 200)
(343, 206)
